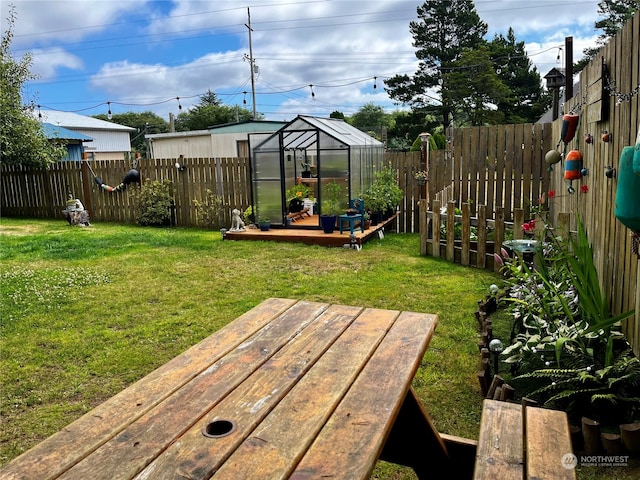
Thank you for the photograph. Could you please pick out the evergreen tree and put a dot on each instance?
(477, 89)
(210, 112)
(615, 13)
(22, 139)
(443, 30)
(528, 100)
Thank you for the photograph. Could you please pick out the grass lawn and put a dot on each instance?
(85, 312)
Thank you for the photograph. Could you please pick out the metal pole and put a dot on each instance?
(251, 63)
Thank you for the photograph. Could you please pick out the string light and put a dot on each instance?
(313, 94)
(374, 83)
(558, 57)
(109, 116)
(244, 100)
(39, 114)
(179, 105)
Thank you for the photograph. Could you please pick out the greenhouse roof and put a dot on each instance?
(334, 127)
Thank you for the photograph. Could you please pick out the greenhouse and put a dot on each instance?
(294, 166)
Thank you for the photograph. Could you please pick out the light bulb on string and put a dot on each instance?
(313, 94)
(39, 114)
(244, 100)
(179, 105)
(374, 83)
(558, 57)
(109, 116)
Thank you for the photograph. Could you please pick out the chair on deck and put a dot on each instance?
(354, 204)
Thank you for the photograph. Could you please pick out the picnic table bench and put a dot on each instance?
(290, 389)
(523, 442)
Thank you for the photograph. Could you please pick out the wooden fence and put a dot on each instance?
(38, 193)
(493, 175)
(42, 193)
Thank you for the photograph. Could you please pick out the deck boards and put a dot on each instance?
(311, 236)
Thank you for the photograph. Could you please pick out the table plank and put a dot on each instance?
(58, 453)
(548, 440)
(351, 441)
(196, 456)
(276, 446)
(126, 454)
(500, 443)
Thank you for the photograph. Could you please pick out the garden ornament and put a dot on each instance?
(569, 124)
(573, 168)
(237, 224)
(75, 213)
(132, 176)
(627, 204)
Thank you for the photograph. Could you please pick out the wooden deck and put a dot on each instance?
(306, 231)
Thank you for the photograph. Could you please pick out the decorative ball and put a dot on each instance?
(552, 156)
(493, 289)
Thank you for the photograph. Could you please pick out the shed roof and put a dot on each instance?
(73, 120)
(55, 131)
(250, 126)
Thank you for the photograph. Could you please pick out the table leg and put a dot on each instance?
(414, 442)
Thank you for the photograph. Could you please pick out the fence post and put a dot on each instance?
(435, 228)
(466, 233)
(451, 226)
(481, 260)
(423, 226)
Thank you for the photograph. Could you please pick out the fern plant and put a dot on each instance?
(610, 394)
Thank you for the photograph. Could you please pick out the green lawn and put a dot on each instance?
(85, 312)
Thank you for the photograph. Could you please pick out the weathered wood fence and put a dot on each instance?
(493, 175)
(37, 193)
(42, 193)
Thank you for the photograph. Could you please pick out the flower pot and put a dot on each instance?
(264, 226)
(328, 223)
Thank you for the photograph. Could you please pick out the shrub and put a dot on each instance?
(153, 203)
(208, 210)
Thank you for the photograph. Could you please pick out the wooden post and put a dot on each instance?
(497, 382)
(630, 434)
(612, 443)
(591, 435)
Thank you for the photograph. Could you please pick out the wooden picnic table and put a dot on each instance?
(290, 389)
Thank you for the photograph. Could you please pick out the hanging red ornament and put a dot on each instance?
(569, 125)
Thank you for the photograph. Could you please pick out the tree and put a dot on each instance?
(371, 119)
(528, 101)
(337, 114)
(209, 112)
(22, 139)
(407, 127)
(477, 89)
(616, 13)
(444, 29)
(144, 123)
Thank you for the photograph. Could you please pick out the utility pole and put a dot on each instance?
(251, 64)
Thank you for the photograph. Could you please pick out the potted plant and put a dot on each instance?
(367, 220)
(264, 223)
(330, 207)
(421, 177)
(249, 217)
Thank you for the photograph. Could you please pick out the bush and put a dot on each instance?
(153, 204)
(208, 210)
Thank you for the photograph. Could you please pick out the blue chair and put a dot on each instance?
(354, 204)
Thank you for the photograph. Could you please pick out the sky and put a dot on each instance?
(309, 57)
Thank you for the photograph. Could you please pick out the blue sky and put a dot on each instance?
(142, 55)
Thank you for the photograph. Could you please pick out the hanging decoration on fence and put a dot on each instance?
(132, 176)
(627, 206)
(568, 132)
(573, 168)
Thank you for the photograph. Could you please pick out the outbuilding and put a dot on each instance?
(313, 152)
